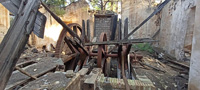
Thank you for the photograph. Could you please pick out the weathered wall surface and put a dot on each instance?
(176, 23)
(194, 79)
(78, 11)
(75, 13)
(4, 21)
(137, 11)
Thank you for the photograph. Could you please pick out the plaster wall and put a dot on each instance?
(175, 21)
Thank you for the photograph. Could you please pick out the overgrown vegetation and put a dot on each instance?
(143, 47)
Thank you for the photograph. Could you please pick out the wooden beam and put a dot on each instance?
(16, 38)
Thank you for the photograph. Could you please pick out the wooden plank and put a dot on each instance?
(10, 5)
(90, 83)
(56, 81)
(83, 32)
(88, 29)
(83, 71)
(126, 27)
(35, 70)
(74, 84)
(67, 58)
(16, 39)
(39, 25)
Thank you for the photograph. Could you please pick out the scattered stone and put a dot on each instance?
(166, 87)
(57, 82)
(38, 59)
(34, 50)
(70, 74)
(34, 70)
(174, 84)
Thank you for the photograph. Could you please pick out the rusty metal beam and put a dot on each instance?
(122, 42)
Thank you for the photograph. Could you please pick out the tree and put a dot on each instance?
(104, 4)
(57, 6)
(98, 4)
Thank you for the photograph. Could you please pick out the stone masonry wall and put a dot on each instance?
(78, 11)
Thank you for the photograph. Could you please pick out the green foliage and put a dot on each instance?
(144, 47)
(96, 4)
(57, 6)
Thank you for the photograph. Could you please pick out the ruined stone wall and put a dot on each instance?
(4, 21)
(75, 13)
(137, 11)
(176, 23)
(78, 11)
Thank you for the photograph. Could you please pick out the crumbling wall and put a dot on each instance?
(4, 21)
(75, 13)
(177, 25)
(136, 11)
(78, 11)
(175, 22)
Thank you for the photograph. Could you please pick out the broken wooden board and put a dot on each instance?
(74, 84)
(90, 82)
(50, 81)
(37, 69)
(169, 58)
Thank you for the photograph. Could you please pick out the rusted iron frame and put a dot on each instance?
(69, 57)
(121, 42)
(62, 36)
(69, 45)
(101, 49)
(123, 71)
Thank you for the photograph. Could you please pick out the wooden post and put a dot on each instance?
(83, 32)
(126, 28)
(88, 29)
(15, 40)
